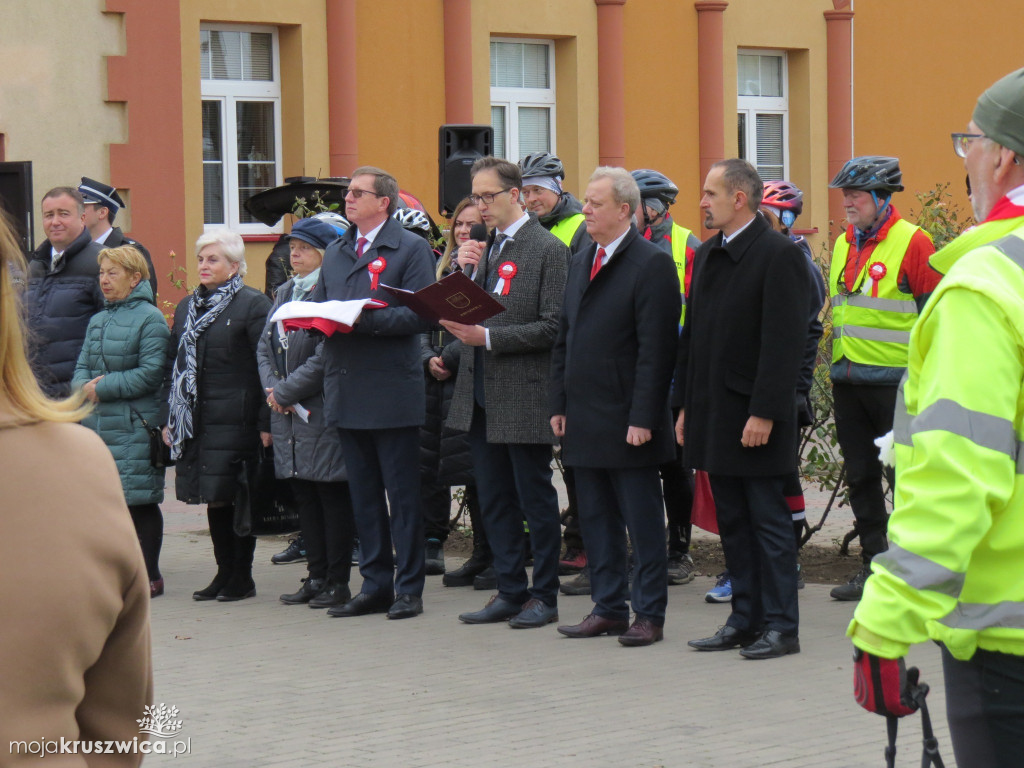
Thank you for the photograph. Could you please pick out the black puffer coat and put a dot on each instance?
(231, 407)
(58, 307)
(445, 458)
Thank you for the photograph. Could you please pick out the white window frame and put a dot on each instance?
(751, 106)
(228, 92)
(514, 98)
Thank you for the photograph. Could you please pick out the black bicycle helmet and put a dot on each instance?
(541, 164)
(871, 173)
(656, 185)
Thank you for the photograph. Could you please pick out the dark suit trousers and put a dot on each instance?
(613, 501)
(328, 527)
(380, 460)
(760, 552)
(514, 482)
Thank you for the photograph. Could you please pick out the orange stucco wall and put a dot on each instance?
(919, 67)
(661, 98)
(149, 165)
(400, 92)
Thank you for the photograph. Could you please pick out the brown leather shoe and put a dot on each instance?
(643, 632)
(594, 625)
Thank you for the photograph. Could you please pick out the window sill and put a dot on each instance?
(272, 238)
(809, 231)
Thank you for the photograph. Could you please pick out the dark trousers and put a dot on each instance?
(387, 461)
(760, 552)
(677, 488)
(985, 708)
(514, 482)
(613, 501)
(149, 527)
(863, 414)
(328, 528)
(233, 552)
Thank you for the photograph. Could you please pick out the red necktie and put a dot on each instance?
(598, 261)
(360, 245)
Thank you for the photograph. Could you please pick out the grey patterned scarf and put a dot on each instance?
(183, 377)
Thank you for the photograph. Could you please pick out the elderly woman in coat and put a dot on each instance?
(216, 413)
(120, 369)
(306, 451)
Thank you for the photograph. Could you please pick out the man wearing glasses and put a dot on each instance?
(373, 390)
(878, 282)
(955, 571)
(500, 395)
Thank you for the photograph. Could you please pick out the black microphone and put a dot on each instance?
(477, 232)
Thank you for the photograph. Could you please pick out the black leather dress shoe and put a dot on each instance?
(594, 625)
(466, 573)
(405, 607)
(310, 588)
(771, 645)
(332, 595)
(495, 611)
(726, 638)
(362, 604)
(535, 613)
(486, 579)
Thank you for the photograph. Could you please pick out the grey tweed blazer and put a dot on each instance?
(517, 367)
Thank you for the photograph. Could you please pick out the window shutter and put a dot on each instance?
(770, 150)
(534, 130)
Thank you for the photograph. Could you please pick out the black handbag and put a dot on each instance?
(264, 505)
(159, 451)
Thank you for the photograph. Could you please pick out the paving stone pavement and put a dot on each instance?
(258, 683)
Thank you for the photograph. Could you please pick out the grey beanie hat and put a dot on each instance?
(1000, 112)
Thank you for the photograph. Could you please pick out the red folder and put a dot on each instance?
(454, 297)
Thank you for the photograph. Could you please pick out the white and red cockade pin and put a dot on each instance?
(505, 274)
(876, 272)
(375, 267)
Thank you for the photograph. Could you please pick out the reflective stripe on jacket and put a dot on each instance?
(954, 571)
(871, 320)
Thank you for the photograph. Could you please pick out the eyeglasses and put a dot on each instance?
(962, 142)
(358, 193)
(487, 198)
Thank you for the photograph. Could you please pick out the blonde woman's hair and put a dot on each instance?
(446, 258)
(17, 382)
(127, 258)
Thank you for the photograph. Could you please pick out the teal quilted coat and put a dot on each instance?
(126, 344)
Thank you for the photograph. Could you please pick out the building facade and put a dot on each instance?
(191, 106)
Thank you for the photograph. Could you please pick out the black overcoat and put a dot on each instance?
(740, 351)
(611, 367)
(231, 406)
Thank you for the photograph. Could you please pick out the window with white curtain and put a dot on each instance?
(763, 112)
(522, 97)
(241, 95)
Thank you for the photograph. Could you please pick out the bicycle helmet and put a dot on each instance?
(655, 185)
(413, 220)
(336, 220)
(784, 196)
(541, 164)
(871, 173)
